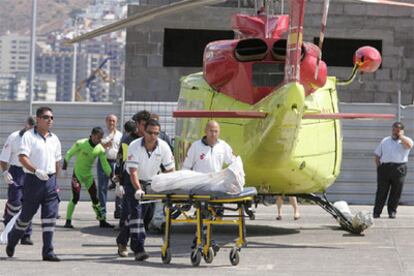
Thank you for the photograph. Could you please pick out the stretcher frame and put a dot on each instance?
(205, 214)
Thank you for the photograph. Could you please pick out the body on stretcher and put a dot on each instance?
(205, 215)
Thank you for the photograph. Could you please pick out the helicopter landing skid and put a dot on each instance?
(344, 222)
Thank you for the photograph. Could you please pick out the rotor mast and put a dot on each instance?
(295, 40)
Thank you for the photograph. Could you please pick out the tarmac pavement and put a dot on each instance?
(312, 245)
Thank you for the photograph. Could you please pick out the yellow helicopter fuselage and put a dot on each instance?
(283, 153)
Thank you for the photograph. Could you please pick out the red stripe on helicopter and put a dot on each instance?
(219, 114)
(349, 116)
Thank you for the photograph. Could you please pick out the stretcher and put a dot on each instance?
(208, 212)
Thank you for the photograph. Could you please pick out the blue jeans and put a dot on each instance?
(103, 185)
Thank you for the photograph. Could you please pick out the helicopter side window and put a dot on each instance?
(268, 74)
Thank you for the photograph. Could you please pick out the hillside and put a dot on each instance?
(15, 15)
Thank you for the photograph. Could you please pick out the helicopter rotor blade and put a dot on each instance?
(323, 23)
(322, 34)
(142, 17)
(389, 2)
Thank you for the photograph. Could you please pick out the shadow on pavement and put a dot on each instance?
(252, 230)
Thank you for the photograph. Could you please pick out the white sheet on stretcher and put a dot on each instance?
(228, 181)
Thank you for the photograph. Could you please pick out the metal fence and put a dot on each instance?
(356, 184)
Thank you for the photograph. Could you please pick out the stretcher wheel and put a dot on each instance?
(234, 256)
(209, 257)
(195, 257)
(166, 259)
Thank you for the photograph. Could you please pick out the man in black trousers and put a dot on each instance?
(391, 157)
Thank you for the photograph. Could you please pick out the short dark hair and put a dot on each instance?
(130, 126)
(155, 116)
(41, 110)
(97, 130)
(398, 125)
(152, 122)
(141, 116)
(30, 121)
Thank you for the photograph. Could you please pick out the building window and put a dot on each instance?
(340, 51)
(185, 48)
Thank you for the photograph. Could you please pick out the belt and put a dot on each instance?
(49, 174)
(392, 164)
(16, 166)
(144, 184)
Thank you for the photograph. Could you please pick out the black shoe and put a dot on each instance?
(26, 241)
(376, 215)
(104, 224)
(392, 215)
(10, 251)
(141, 256)
(215, 247)
(68, 224)
(51, 258)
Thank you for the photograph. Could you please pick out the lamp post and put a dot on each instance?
(74, 63)
(32, 56)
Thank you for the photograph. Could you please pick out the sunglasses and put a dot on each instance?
(46, 117)
(152, 133)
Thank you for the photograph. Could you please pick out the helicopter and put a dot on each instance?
(272, 96)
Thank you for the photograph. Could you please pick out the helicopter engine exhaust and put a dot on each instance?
(279, 50)
(250, 50)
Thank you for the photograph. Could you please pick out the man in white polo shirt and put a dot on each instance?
(144, 159)
(13, 175)
(40, 153)
(210, 153)
(391, 157)
(111, 143)
(207, 155)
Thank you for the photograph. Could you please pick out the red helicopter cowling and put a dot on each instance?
(257, 26)
(220, 66)
(231, 67)
(368, 59)
(310, 54)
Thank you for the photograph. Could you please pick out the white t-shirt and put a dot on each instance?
(9, 154)
(43, 152)
(204, 158)
(112, 151)
(392, 151)
(148, 163)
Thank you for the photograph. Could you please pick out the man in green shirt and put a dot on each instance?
(86, 151)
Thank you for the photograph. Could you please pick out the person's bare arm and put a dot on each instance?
(24, 160)
(377, 161)
(4, 166)
(58, 168)
(407, 144)
(133, 174)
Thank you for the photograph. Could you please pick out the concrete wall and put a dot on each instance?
(145, 76)
(356, 184)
